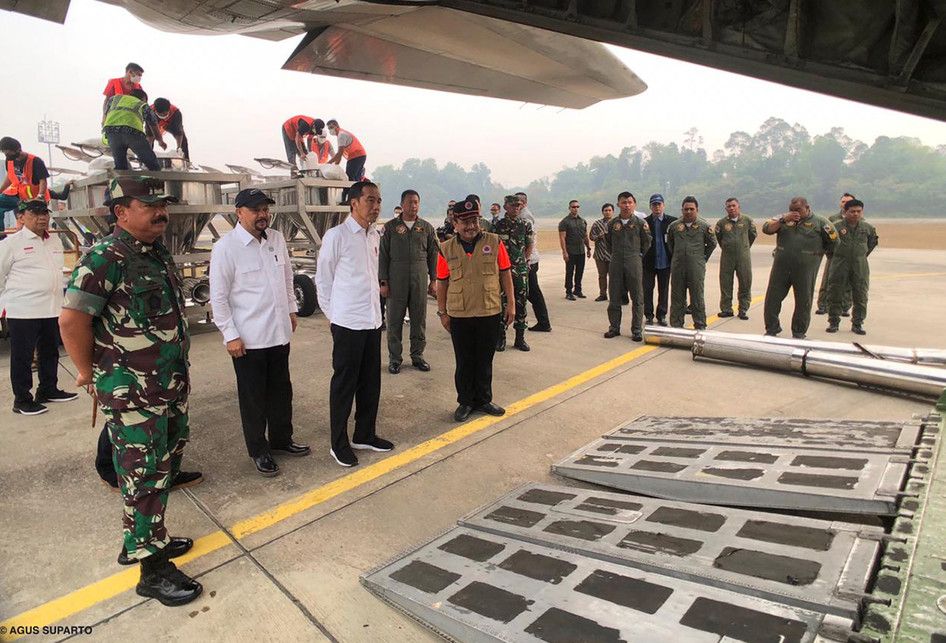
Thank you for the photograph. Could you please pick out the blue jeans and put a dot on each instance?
(8, 209)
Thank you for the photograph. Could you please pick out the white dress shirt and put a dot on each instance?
(346, 276)
(251, 290)
(31, 279)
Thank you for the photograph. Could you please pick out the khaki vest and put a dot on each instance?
(473, 289)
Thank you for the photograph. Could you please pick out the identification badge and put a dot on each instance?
(728, 227)
(680, 227)
(616, 227)
(843, 231)
(487, 249)
(400, 229)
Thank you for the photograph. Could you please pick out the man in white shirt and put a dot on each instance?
(536, 298)
(346, 278)
(254, 306)
(31, 288)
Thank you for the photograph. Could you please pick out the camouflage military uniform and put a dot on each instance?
(517, 235)
(139, 373)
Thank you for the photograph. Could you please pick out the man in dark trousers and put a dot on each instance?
(254, 306)
(657, 262)
(473, 273)
(691, 241)
(573, 238)
(408, 271)
(536, 298)
(850, 273)
(349, 291)
(171, 120)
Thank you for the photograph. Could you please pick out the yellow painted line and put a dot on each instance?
(94, 593)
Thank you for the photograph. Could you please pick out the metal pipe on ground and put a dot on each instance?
(863, 371)
(684, 338)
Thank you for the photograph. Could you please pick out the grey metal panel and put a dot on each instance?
(744, 476)
(813, 564)
(862, 435)
(472, 586)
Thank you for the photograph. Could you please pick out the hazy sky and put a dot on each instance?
(234, 97)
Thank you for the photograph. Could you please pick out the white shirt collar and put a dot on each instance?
(244, 236)
(354, 226)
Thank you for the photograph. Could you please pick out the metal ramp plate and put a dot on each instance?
(813, 564)
(472, 586)
(866, 436)
(743, 476)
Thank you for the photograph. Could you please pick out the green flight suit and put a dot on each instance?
(140, 373)
(798, 252)
(629, 239)
(690, 247)
(823, 290)
(407, 261)
(735, 238)
(850, 273)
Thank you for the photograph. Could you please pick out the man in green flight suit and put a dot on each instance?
(690, 242)
(629, 238)
(123, 325)
(823, 290)
(407, 270)
(518, 237)
(735, 233)
(850, 272)
(802, 239)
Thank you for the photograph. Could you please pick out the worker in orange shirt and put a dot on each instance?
(171, 120)
(124, 85)
(352, 150)
(24, 177)
(297, 134)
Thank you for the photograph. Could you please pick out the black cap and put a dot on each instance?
(251, 197)
(465, 209)
(33, 205)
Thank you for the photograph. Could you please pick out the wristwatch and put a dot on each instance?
(441, 313)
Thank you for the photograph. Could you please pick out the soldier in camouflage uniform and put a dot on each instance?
(850, 273)
(802, 240)
(846, 300)
(518, 237)
(124, 327)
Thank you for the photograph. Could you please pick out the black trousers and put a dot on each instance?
(536, 298)
(265, 393)
(26, 337)
(574, 269)
(121, 139)
(355, 171)
(356, 361)
(660, 278)
(474, 344)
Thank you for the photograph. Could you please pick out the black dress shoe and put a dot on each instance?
(541, 328)
(570, 297)
(833, 328)
(165, 583)
(492, 409)
(743, 316)
(611, 333)
(661, 321)
(821, 311)
(420, 364)
(845, 313)
(725, 313)
(293, 448)
(699, 326)
(462, 413)
(185, 479)
(648, 320)
(799, 336)
(266, 466)
(637, 337)
(858, 329)
(601, 298)
(176, 547)
(501, 343)
(580, 295)
(394, 368)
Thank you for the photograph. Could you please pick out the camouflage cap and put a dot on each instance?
(146, 189)
(33, 205)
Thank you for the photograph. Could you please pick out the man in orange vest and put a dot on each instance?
(118, 86)
(353, 151)
(24, 178)
(297, 133)
(171, 120)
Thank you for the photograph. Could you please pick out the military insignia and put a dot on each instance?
(843, 231)
(401, 229)
(680, 227)
(728, 227)
(504, 237)
(807, 224)
(616, 227)
(487, 249)
(646, 227)
(790, 223)
(740, 225)
(832, 233)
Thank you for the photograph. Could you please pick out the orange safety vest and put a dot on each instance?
(356, 149)
(322, 149)
(25, 189)
(163, 122)
(291, 127)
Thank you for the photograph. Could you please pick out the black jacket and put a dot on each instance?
(651, 253)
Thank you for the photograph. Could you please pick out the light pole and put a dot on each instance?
(48, 132)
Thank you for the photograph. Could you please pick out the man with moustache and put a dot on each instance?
(124, 327)
(517, 237)
(346, 279)
(690, 241)
(254, 307)
(629, 238)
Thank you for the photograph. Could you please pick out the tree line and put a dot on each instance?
(894, 176)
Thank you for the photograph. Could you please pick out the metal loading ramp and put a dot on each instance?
(754, 463)
(812, 564)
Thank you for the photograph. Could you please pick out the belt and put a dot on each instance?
(803, 252)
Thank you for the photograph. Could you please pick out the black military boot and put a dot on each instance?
(501, 342)
(161, 580)
(521, 340)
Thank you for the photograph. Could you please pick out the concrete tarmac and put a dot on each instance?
(280, 558)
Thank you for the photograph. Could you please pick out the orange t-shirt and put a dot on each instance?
(115, 87)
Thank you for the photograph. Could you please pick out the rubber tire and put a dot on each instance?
(306, 296)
